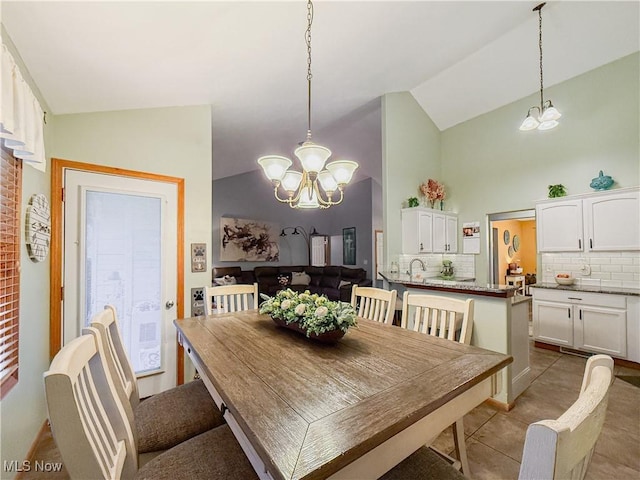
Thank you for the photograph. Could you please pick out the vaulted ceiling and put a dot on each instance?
(248, 60)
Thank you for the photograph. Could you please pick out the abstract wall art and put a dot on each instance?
(248, 240)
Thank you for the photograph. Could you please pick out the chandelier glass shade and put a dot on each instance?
(319, 181)
(545, 116)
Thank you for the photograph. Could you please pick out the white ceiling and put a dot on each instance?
(247, 59)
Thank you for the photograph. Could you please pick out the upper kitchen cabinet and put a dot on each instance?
(559, 226)
(613, 221)
(445, 233)
(604, 221)
(417, 228)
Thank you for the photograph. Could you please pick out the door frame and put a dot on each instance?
(58, 166)
(526, 214)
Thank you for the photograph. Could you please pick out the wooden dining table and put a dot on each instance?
(301, 409)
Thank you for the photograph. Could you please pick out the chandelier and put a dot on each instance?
(544, 117)
(317, 184)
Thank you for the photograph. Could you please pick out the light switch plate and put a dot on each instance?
(197, 302)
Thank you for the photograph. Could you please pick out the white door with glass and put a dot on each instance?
(120, 247)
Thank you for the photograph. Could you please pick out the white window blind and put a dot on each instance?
(10, 197)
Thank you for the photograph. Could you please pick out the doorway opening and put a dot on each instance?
(513, 249)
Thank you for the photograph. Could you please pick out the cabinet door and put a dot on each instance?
(553, 322)
(439, 233)
(410, 243)
(601, 329)
(452, 234)
(416, 231)
(612, 221)
(425, 232)
(559, 226)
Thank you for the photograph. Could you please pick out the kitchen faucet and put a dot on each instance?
(411, 267)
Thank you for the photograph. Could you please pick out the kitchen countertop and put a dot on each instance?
(460, 285)
(589, 288)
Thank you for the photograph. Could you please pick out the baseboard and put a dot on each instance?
(555, 348)
(30, 457)
(505, 407)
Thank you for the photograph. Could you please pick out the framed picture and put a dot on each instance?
(349, 246)
(244, 240)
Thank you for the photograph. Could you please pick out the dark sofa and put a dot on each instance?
(333, 281)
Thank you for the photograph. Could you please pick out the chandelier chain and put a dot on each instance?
(307, 36)
(540, 48)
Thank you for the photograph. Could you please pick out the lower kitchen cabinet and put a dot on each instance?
(553, 322)
(592, 322)
(601, 329)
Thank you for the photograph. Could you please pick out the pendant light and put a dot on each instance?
(544, 117)
(315, 186)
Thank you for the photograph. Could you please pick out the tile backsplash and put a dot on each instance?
(607, 269)
(464, 265)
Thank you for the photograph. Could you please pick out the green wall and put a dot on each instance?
(410, 155)
(490, 166)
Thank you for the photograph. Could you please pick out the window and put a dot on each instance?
(10, 198)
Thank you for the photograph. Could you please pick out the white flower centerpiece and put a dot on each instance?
(312, 314)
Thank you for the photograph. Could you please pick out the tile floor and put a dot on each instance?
(495, 438)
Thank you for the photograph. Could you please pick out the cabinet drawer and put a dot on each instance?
(580, 298)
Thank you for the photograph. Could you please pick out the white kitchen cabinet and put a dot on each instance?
(559, 226)
(445, 233)
(601, 329)
(613, 221)
(592, 322)
(417, 230)
(603, 221)
(553, 322)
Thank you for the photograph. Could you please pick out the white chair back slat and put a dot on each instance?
(438, 316)
(230, 298)
(562, 448)
(374, 303)
(88, 419)
(97, 435)
(116, 358)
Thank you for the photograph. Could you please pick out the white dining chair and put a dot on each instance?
(96, 440)
(443, 317)
(553, 449)
(230, 298)
(374, 303)
(162, 420)
(448, 318)
(562, 448)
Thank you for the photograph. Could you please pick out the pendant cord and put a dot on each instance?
(540, 47)
(307, 36)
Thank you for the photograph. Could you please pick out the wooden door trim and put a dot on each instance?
(58, 166)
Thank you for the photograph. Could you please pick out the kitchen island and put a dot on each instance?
(500, 323)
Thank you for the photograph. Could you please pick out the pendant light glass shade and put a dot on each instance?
(549, 112)
(529, 123)
(274, 166)
(307, 201)
(312, 156)
(342, 170)
(291, 180)
(328, 182)
(548, 125)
